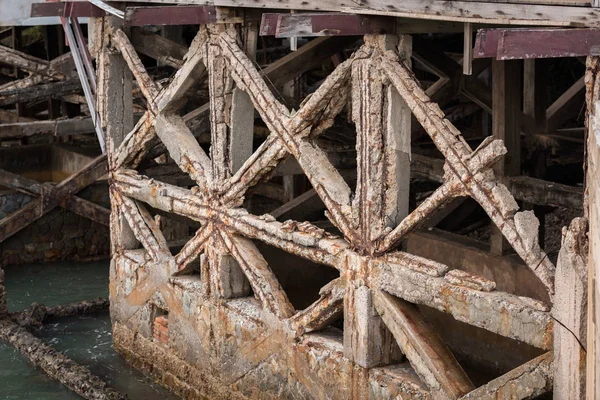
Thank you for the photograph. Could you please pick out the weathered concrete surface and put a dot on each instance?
(570, 310)
(228, 349)
(526, 382)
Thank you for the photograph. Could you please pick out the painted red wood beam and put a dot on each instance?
(284, 25)
(66, 9)
(134, 16)
(512, 44)
(170, 15)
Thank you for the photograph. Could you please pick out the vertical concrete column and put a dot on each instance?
(114, 102)
(115, 107)
(592, 211)
(382, 120)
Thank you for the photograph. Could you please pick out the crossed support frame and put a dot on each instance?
(377, 282)
(48, 196)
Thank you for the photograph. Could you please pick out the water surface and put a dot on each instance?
(87, 340)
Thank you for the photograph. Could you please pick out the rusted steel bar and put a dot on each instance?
(58, 366)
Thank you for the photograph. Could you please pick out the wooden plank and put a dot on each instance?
(61, 127)
(510, 44)
(506, 112)
(540, 192)
(430, 358)
(324, 24)
(468, 49)
(66, 9)
(464, 11)
(27, 62)
(168, 15)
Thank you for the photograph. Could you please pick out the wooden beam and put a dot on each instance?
(51, 197)
(286, 25)
(569, 105)
(169, 15)
(304, 59)
(468, 49)
(506, 125)
(40, 92)
(86, 209)
(160, 48)
(27, 62)
(61, 127)
(531, 43)
(540, 192)
(463, 11)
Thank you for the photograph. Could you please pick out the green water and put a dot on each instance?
(86, 340)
